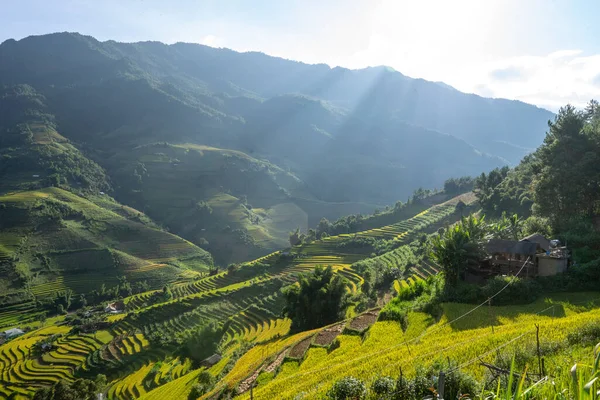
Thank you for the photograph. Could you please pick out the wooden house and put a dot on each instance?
(540, 257)
(508, 256)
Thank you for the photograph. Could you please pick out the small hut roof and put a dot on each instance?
(539, 239)
(495, 246)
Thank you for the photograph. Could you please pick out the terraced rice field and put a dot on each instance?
(177, 389)
(387, 348)
(238, 300)
(402, 230)
(17, 313)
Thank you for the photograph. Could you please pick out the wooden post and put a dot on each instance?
(251, 391)
(441, 382)
(539, 354)
(543, 368)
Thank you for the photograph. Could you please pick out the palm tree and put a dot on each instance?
(515, 226)
(458, 247)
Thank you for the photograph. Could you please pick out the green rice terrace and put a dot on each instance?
(140, 349)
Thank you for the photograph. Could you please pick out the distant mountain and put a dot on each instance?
(299, 134)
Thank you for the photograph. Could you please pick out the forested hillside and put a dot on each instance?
(251, 145)
(557, 185)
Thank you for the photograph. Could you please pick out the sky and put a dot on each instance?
(544, 52)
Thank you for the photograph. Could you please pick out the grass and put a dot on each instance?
(177, 389)
(383, 352)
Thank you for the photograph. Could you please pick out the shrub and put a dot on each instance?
(348, 388)
(205, 384)
(383, 387)
(413, 291)
(521, 291)
(394, 312)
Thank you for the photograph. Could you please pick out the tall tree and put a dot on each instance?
(458, 247)
(568, 185)
(318, 299)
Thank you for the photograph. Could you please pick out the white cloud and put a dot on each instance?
(564, 53)
(550, 81)
(495, 48)
(466, 44)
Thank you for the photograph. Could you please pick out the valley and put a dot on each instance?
(179, 221)
(133, 344)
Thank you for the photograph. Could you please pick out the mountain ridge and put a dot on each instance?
(342, 134)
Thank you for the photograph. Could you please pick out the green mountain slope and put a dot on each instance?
(212, 79)
(32, 152)
(143, 92)
(231, 204)
(58, 228)
(54, 239)
(310, 140)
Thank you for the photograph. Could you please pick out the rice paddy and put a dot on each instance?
(247, 303)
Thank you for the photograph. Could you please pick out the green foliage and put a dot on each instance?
(167, 293)
(566, 187)
(559, 183)
(202, 343)
(521, 291)
(537, 224)
(507, 191)
(459, 246)
(395, 311)
(206, 381)
(80, 389)
(296, 237)
(423, 295)
(348, 388)
(232, 268)
(454, 186)
(383, 387)
(319, 299)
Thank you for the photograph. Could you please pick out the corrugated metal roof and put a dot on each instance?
(495, 246)
(539, 239)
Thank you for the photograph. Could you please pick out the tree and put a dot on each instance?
(167, 293)
(232, 268)
(460, 207)
(296, 237)
(205, 384)
(82, 300)
(310, 236)
(515, 226)
(80, 389)
(535, 224)
(319, 298)
(567, 186)
(458, 247)
(203, 341)
(323, 227)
